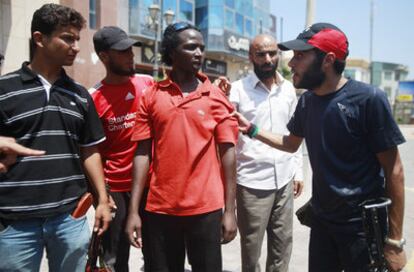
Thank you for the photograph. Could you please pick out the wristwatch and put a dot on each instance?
(397, 243)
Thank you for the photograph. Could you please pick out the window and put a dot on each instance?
(229, 19)
(92, 14)
(388, 91)
(216, 17)
(201, 18)
(230, 3)
(186, 11)
(249, 27)
(239, 23)
(387, 75)
(133, 14)
(397, 76)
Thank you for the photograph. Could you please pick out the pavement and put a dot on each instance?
(299, 259)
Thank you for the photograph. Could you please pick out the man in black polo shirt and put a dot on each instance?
(42, 108)
(352, 141)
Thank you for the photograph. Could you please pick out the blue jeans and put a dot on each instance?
(66, 241)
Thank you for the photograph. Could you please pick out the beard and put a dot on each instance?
(118, 70)
(262, 72)
(313, 77)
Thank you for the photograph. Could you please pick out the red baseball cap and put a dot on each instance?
(326, 37)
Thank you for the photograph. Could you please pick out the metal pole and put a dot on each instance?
(158, 27)
(310, 8)
(371, 38)
(281, 40)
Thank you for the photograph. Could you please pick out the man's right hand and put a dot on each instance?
(133, 230)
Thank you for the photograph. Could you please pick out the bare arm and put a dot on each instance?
(289, 143)
(394, 181)
(141, 165)
(92, 164)
(228, 160)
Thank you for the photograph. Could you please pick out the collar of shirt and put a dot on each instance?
(168, 83)
(255, 81)
(28, 74)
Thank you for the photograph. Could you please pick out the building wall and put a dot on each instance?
(87, 69)
(15, 21)
(386, 76)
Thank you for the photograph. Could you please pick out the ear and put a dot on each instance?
(103, 56)
(329, 58)
(251, 56)
(37, 38)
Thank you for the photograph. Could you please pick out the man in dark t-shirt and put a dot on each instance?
(352, 142)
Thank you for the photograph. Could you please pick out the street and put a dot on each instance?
(299, 260)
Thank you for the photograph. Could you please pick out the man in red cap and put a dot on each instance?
(352, 142)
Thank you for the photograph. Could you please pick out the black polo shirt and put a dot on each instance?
(344, 131)
(50, 184)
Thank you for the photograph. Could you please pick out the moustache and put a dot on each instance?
(268, 66)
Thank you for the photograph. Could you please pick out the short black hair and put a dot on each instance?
(50, 17)
(339, 65)
(171, 40)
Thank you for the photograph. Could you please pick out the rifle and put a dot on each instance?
(372, 210)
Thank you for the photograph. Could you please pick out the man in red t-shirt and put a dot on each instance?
(187, 121)
(116, 99)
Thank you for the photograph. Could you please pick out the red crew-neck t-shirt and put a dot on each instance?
(116, 106)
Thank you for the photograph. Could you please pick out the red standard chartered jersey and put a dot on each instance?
(116, 106)
(187, 176)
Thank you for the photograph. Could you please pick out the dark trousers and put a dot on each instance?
(171, 236)
(337, 250)
(115, 242)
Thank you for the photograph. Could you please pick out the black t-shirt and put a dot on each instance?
(343, 132)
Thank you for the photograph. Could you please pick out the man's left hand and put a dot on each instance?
(224, 84)
(297, 188)
(395, 257)
(229, 227)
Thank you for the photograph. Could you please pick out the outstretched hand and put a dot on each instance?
(9, 150)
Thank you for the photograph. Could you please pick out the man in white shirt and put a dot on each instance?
(268, 179)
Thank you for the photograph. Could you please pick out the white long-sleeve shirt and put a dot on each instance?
(260, 166)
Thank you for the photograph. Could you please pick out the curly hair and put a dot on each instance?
(50, 17)
(171, 40)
